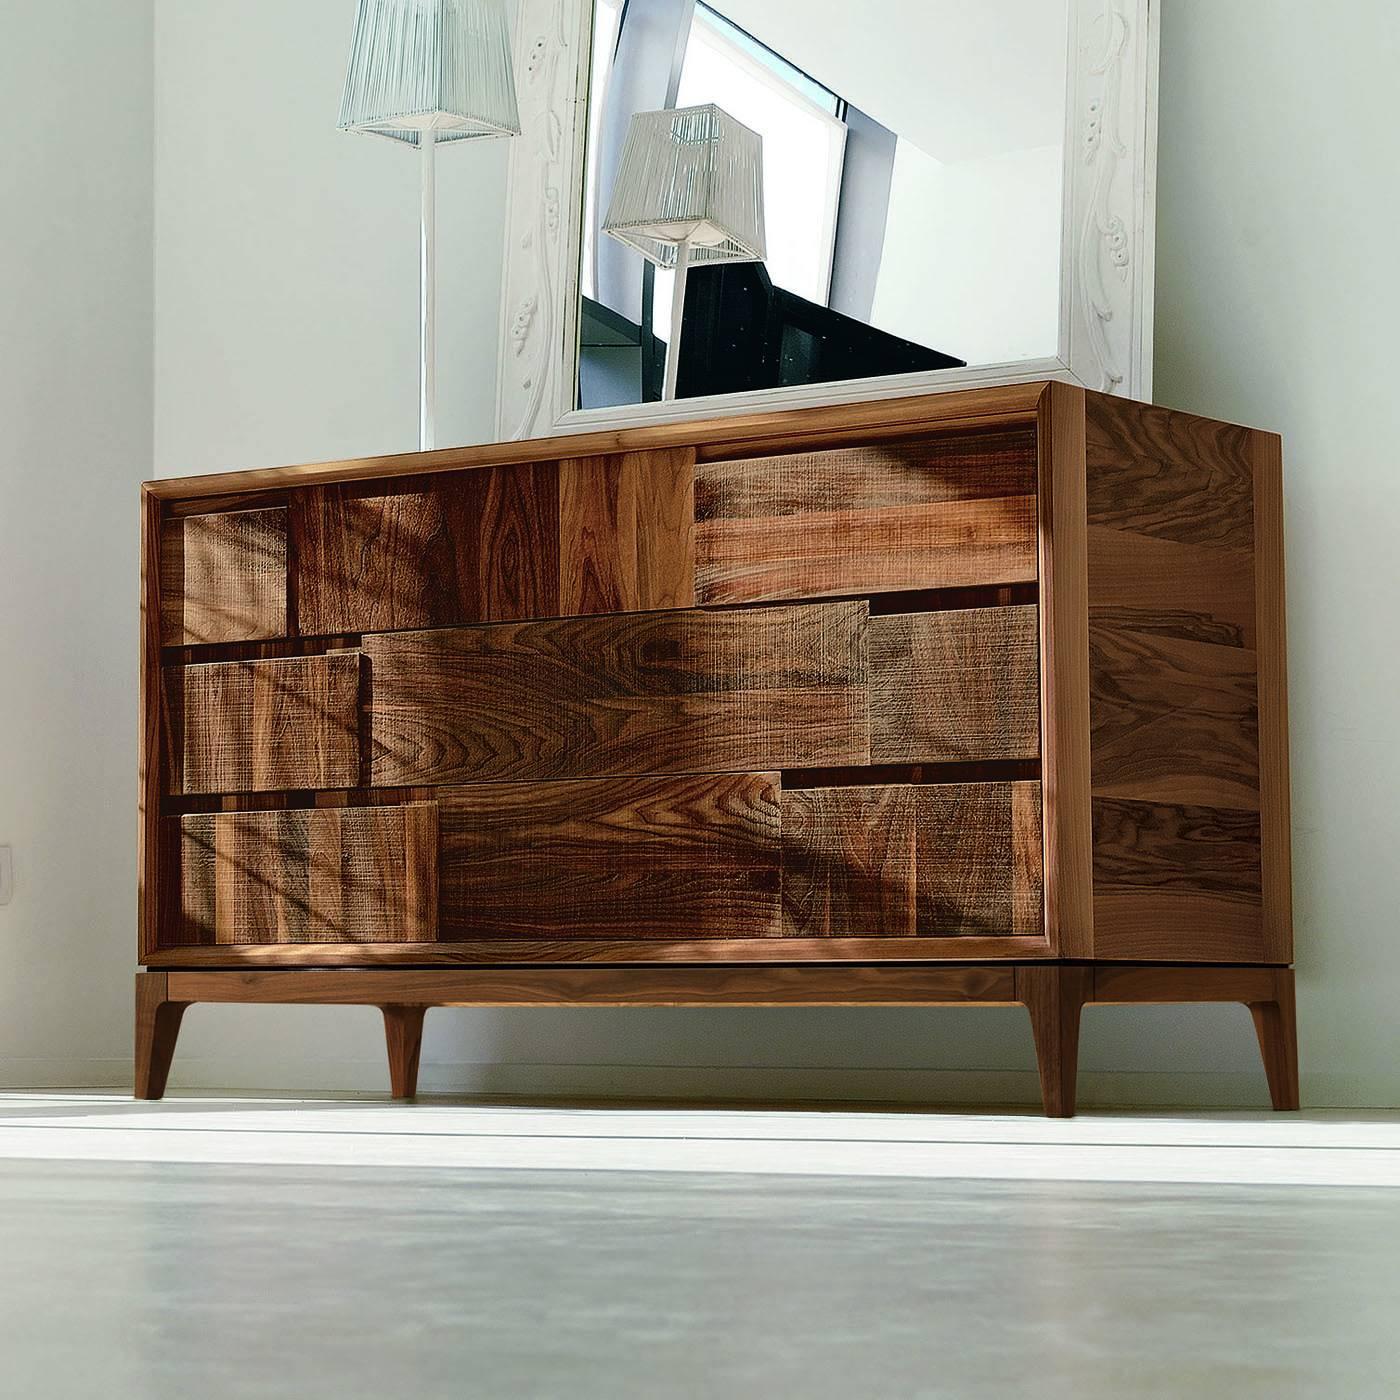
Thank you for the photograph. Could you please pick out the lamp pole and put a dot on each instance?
(427, 303)
(673, 350)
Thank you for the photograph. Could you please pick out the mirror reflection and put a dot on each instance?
(912, 158)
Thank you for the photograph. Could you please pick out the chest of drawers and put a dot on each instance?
(973, 698)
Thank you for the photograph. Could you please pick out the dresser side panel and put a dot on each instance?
(1174, 716)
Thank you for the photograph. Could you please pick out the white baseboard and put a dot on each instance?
(758, 1084)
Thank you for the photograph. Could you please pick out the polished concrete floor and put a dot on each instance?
(216, 1248)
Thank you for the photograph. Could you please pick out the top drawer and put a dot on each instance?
(945, 513)
(629, 532)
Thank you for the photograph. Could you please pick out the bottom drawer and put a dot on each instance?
(627, 860)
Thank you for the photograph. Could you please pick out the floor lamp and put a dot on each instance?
(689, 191)
(425, 72)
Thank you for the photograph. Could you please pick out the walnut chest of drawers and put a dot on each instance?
(971, 698)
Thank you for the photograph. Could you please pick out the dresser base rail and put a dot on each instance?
(1054, 994)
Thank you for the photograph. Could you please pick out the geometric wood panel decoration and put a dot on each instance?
(478, 546)
(1163, 873)
(259, 726)
(955, 686)
(223, 578)
(1176, 635)
(927, 515)
(324, 875)
(977, 697)
(682, 857)
(940, 861)
(627, 528)
(734, 691)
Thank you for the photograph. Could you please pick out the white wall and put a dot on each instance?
(75, 442)
(287, 251)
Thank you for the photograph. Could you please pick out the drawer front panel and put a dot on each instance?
(592, 535)
(627, 533)
(648, 693)
(327, 875)
(955, 686)
(867, 520)
(950, 860)
(647, 858)
(474, 546)
(223, 578)
(261, 726)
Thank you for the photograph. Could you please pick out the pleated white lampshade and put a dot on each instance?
(692, 176)
(438, 65)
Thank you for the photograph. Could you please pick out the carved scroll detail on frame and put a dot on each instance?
(540, 286)
(1110, 182)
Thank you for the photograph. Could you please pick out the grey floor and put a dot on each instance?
(162, 1279)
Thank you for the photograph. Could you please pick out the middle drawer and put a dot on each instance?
(743, 690)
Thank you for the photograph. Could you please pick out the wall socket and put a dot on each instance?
(7, 874)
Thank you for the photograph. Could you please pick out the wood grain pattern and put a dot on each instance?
(1173, 721)
(1276, 856)
(868, 477)
(611, 986)
(1176, 695)
(626, 532)
(1027, 859)
(1064, 669)
(734, 953)
(939, 861)
(1164, 986)
(641, 858)
(850, 862)
(1206, 593)
(955, 686)
(152, 877)
(1170, 475)
(477, 547)
(309, 876)
(250, 726)
(1176, 883)
(746, 691)
(223, 578)
(868, 519)
(960, 544)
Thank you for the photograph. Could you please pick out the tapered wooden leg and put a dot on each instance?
(157, 1029)
(1055, 995)
(1276, 1025)
(403, 1030)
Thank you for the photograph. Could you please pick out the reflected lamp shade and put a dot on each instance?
(430, 65)
(695, 177)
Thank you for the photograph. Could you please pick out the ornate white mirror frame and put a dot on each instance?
(1106, 272)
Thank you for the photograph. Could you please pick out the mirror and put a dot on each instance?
(956, 193)
(912, 207)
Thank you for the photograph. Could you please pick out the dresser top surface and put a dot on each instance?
(759, 433)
